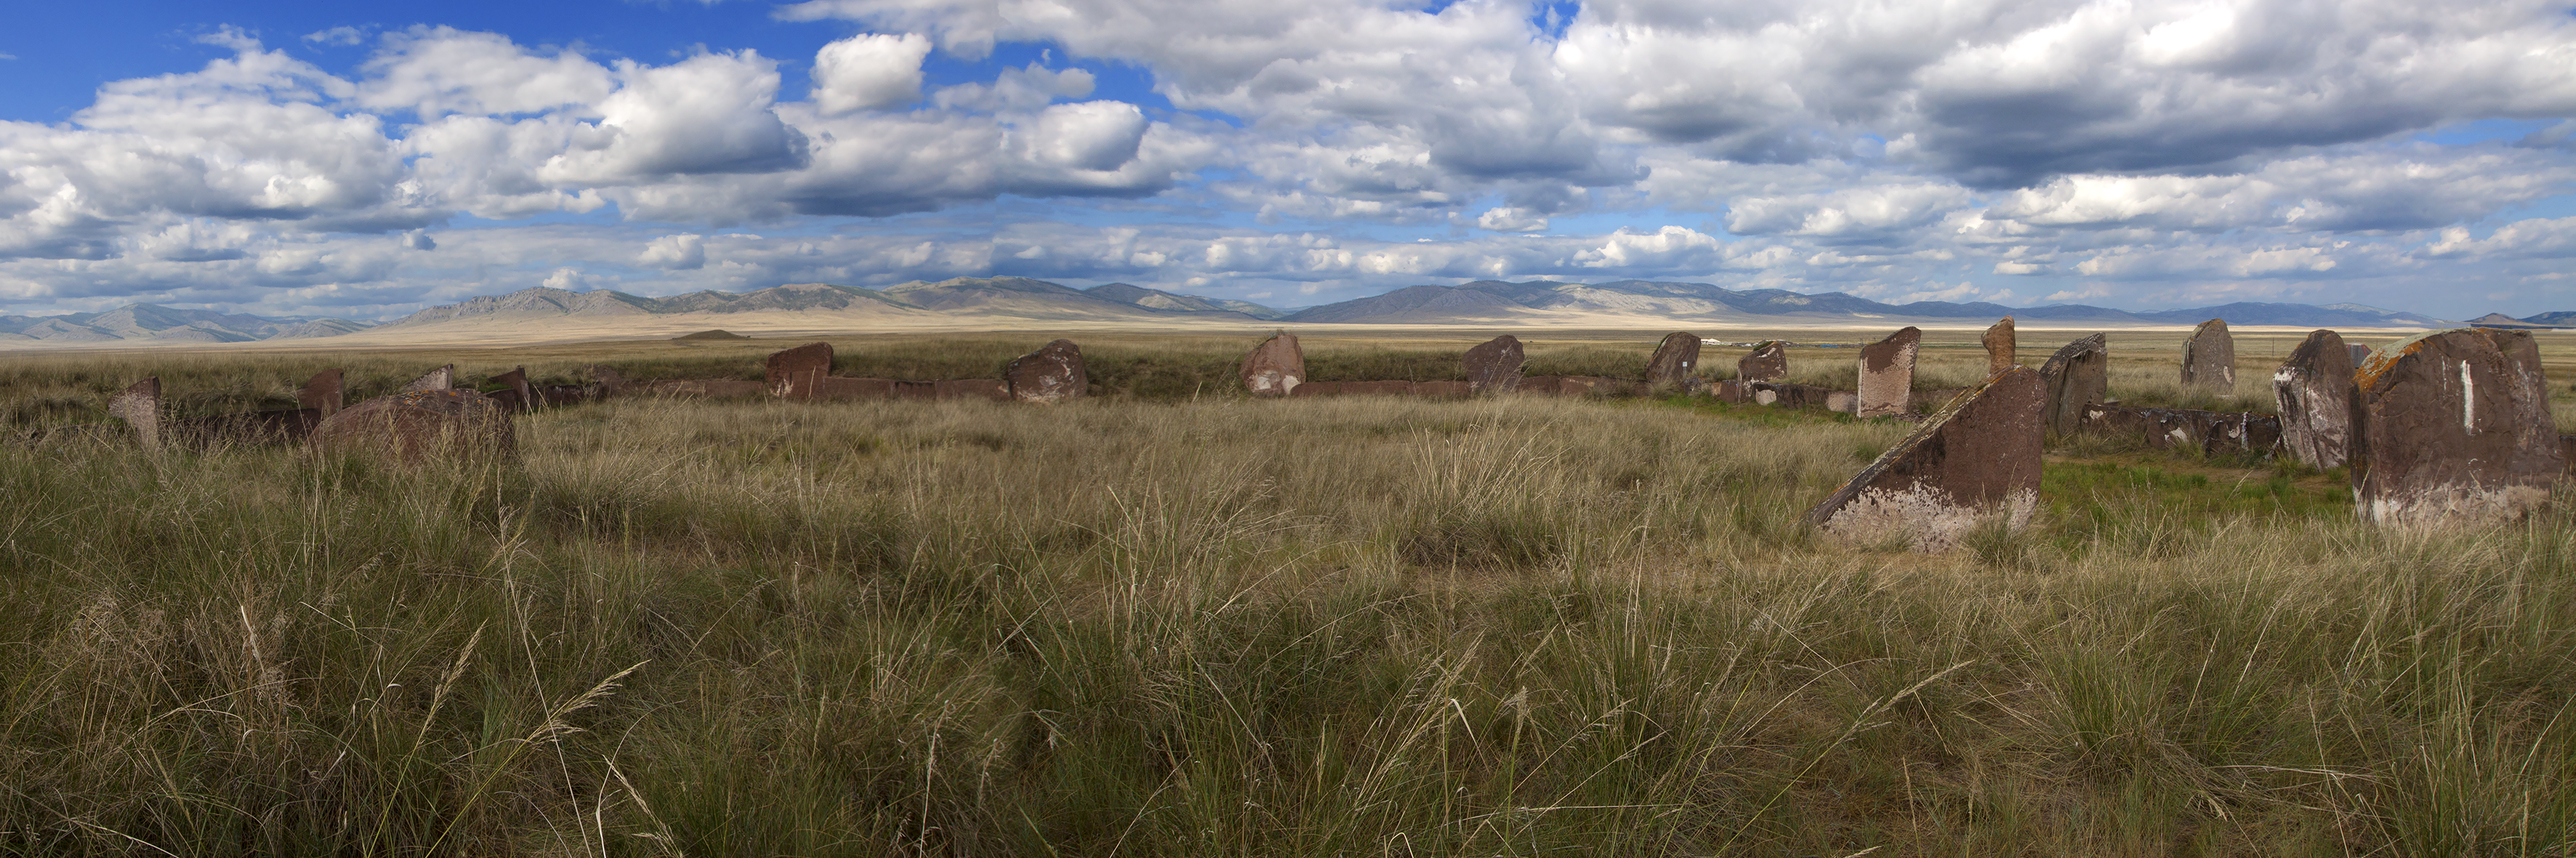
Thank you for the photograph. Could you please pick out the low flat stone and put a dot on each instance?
(1494, 366)
(139, 405)
(2453, 427)
(2209, 358)
(1545, 385)
(1053, 373)
(1732, 390)
(1443, 389)
(732, 388)
(274, 426)
(1999, 345)
(565, 394)
(442, 378)
(990, 389)
(1976, 459)
(1275, 367)
(418, 426)
(1887, 374)
(796, 373)
(1671, 366)
(321, 393)
(2313, 389)
(515, 384)
(1317, 388)
(1768, 362)
(2076, 376)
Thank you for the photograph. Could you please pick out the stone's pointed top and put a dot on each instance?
(321, 393)
(1275, 367)
(611, 382)
(1674, 360)
(796, 373)
(139, 405)
(2077, 375)
(2313, 389)
(1977, 458)
(1999, 345)
(2209, 358)
(521, 397)
(1768, 362)
(441, 378)
(1494, 366)
(1053, 373)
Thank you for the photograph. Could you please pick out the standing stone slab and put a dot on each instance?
(1978, 458)
(1887, 374)
(321, 392)
(1275, 367)
(2209, 358)
(417, 426)
(1675, 357)
(442, 378)
(2075, 376)
(2453, 427)
(1443, 389)
(2314, 391)
(1494, 366)
(796, 373)
(139, 405)
(1050, 374)
(2360, 354)
(611, 382)
(1999, 346)
(1768, 362)
(518, 396)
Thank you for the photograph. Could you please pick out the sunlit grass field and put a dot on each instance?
(1172, 620)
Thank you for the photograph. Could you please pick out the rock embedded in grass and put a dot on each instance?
(798, 372)
(1675, 357)
(2076, 376)
(1999, 345)
(1275, 367)
(1768, 362)
(1053, 373)
(2209, 358)
(2314, 391)
(515, 394)
(1976, 460)
(419, 426)
(2453, 427)
(1494, 366)
(322, 392)
(1887, 374)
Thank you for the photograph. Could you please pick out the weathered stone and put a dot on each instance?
(2077, 375)
(2314, 391)
(1887, 374)
(2209, 358)
(273, 426)
(442, 378)
(1317, 388)
(1768, 362)
(1494, 366)
(1670, 368)
(565, 394)
(1782, 394)
(836, 387)
(1549, 385)
(1931, 400)
(1977, 458)
(1443, 389)
(1050, 374)
(139, 405)
(515, 383)
(611, 382)
(417, 426)
(321, 392)
(1842, 401)
(796, 373)
(1999, 345)
(1275, 367)
(2453, 426)
(2359, 354)
(973, 388)
(2211, 432)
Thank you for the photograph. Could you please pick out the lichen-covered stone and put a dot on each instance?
(1275, 367)
(139, 405)
(442, 378)
(2076, 376)
(1999, 345)
(2314, 391)
(1768, 362)
(1494, 366)
(1887, 374)
(2453, 427)
(516, 395)
(988, 389)
(321, 393)
(1674, 359)
(2209, 358)
(798, 372)
(1976, 459)
(418, 426)
(1053, 373)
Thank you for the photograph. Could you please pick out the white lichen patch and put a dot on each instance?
(2452, 505)
(1928, 519)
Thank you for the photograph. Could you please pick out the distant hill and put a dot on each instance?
(155, 323)
(1537, 299)
(1157, 299)
(2560, 319)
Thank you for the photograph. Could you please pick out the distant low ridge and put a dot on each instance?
(155, 323)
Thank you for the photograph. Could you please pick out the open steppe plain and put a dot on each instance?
(1174, 620)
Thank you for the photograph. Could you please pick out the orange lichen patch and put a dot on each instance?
(2380, 361)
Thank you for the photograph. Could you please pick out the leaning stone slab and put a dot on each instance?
(796, 373)
(2453, 427)
(836, 387)
(611, 382)
(732, 388)
(442, 378)
(321, 392)
(2209, 358)
(1377, 388)
(1547, 385)
(1733, 390)
(139, 405)
(1053, 373)
(1670, 368)
(418, 426)
(2076, 376)
(1976, 459)
(1275, 367)
(2314, 391)
(1782, 394)
(1887, 374)
(1494, 366)
(991, 389)
(1999, 345)
(1768, 362)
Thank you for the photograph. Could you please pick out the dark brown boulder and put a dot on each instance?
(273, 426)
(1782, 394)
(2453, 427)
(1050, 374)
(1546, 385)
(442, 378)
(1999, 345)
(1494, 366)
(2314, 391)
(1670, 369)
(1443, 389)
(1317, 388)
(1275, 367)
(611, 382)
(836, 387)
(2209, 358)
(139, 405)
(923, 391)
(418, 426)
(2076, 376)
(1887, 374)
(1596, 385)
(991, 389)
(732, 388)
(796, 373)
(1768, 362)
(1977, 458)
(518, 395)
(321, 392)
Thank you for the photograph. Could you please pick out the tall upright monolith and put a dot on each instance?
(1675, 358)
(1976, 460)
(1887, 374)
(1053, 373)
(139, 405)
(1768, 362)
(1999, 345)
(2077, 374)
(1275, 367)
(2314, 391)
(1494, 366)
(2209, 358)
(322, 393)
(2453, 427)
(796, 373)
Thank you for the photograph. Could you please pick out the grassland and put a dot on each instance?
(1175, 621)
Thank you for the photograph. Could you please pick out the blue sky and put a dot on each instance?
(343, 159)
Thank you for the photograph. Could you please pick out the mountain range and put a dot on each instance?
(1019, 299)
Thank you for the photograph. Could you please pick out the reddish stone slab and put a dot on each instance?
(1887, 374)
(2209, 358)
(795, 373)
(1317, 388)
(417, 426)
(1443, 389)
(992, 389)
(515, 383)
(1673, 362)
(1999, 345)
(1053, 373)
(836, 387)
(2313, 389)
(1768, 362)
(1494, 366)
(1275, 367)
(2453, 427)
(321, 393)
(2076, 376)
(1977, 458)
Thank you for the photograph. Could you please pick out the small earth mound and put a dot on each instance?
(718, 334)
